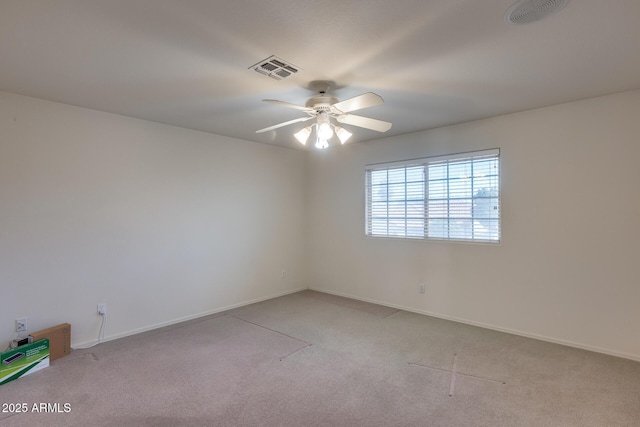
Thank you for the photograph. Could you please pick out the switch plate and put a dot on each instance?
(21, 324)
(421, 288)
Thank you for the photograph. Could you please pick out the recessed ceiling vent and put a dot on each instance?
(526, 11)
(275, 68)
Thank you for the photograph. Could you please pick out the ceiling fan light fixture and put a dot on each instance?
(303, 135)
(343, 134)
(324, 130)
(324, 109)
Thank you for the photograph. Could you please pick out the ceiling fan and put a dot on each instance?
(323, 108)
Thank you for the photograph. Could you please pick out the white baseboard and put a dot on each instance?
(488, 326)
(87, 344)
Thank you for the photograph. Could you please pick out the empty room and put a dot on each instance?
(319, 213)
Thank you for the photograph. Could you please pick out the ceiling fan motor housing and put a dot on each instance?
(321, 102)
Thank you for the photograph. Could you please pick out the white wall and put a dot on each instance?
(158, 222)
(164, 224)
(568, 268)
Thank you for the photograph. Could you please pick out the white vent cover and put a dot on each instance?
(275, 68)
(526, 11)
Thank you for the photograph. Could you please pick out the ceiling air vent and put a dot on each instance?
(275, 68)
(526, 11)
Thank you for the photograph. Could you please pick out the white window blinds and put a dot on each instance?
(455, 197)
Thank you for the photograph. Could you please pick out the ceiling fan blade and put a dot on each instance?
(288, 104)
(359, 102)
(279, 125)
(364, 122)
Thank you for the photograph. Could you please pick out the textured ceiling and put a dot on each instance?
(435, 62)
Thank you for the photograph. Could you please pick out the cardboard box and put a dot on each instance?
(24, 360)
(59, 340)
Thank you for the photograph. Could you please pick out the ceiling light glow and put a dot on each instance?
(324, 131)
(322, 143)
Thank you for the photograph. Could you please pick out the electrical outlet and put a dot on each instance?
(102, 309)
(421, 288)
(21, 325)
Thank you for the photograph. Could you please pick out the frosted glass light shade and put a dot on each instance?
(343, 134)
(303, 135)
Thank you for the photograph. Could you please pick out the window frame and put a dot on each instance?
(492, 231)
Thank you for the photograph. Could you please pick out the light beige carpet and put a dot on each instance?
(312, 359)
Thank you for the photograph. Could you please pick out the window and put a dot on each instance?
(454, 197)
